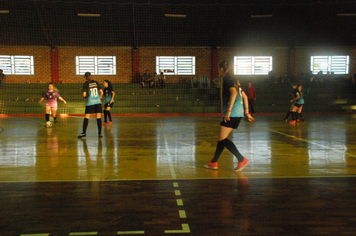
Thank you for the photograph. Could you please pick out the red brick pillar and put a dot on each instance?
(214, 63)
(135, 65)
(55, 65)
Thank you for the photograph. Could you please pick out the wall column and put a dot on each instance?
(55, 65)
(135, 65)
(214, 63)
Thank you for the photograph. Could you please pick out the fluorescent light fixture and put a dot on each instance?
(4, 11)
(88, 15)
(261, 16)
(346, 14)
(175, 15)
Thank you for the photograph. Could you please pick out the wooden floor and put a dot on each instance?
(146, 177)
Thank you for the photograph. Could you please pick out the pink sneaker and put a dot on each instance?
(211, 165)
(241, 165)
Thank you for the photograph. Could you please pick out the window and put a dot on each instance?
(336, 64)
(96, 65)
(252, 65)
(17, 65)
(170, 65)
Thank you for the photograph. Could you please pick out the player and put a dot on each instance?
(51, 103)
(295, 87)
(298, 102)
(109, 101)
(235, 104)
(301, 101)
(93, 93)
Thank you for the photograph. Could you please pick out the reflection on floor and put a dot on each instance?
(146, 176)
(140, 148)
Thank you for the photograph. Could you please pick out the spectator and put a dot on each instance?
(251, 95)
(156, 80)
(162, 80)
(2, 77)
(217, 82)
(147, 78)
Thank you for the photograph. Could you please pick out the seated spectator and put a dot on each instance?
(2, 77)
(155, 80)
(147, 78)
(162, 80)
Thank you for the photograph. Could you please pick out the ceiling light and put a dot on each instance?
(261, 16)
(346, 14)
(88, 15)
(175, 15)
(4, 11)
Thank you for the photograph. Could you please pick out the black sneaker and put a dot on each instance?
(100, 135)
(82, 135)
(55, 122)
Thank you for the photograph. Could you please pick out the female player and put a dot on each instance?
(235, 104)
(109, 101)
(298, 103)
(299, 112)
(51, 103)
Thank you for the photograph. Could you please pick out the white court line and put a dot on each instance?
(131, 232)
(180, 202)
(84, 233)
(182, 214)
(185, 229)
(169, 157)
(46, 234)
(313, 143)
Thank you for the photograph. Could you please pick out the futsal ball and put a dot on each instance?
(48, 124)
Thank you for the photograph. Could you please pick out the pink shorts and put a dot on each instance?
(52, 105)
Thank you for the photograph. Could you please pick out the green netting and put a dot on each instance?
(207, 29)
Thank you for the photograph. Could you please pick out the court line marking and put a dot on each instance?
(130, 232)
(180, 202)
(169, 157)
(45, 234)
(83, 233)
(182, 178)
(185, 229)
(311, 142)
(182, 214)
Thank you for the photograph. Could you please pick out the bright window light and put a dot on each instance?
(252, 65)
(332, 64)
(96, 65)
(17, 65)
(175, 65)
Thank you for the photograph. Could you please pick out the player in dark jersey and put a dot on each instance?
(93, 93)
(235, 106)
(51, 96)
(109, 101)
(294, 85)
(298, 102)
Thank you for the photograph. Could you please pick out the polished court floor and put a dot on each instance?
(146, 177)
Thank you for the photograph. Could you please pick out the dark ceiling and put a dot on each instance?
(210, 23)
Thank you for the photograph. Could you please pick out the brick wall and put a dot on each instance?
(202, 60)
(67, 70)
(42, 57)
(147, 60)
